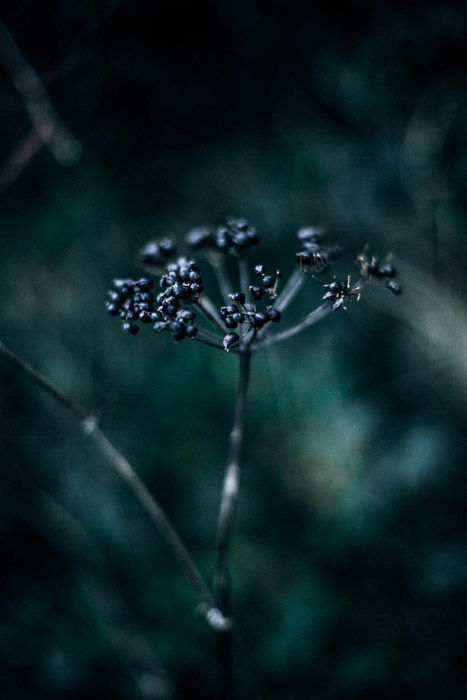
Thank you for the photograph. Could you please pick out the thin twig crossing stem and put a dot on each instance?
(123, 468)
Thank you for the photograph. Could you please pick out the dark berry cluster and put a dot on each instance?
(338, 292)
(182, 280)
(246, 314)
(372, 269)
(233, 315)
(314, 256)
(156, 254)
(132, 300)
(233, 237)
(179, 321)
(181, 283)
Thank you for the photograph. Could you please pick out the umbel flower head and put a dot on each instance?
(251, 304)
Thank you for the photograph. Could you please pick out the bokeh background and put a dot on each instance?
(350, 557)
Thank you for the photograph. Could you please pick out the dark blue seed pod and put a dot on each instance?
(131, 328)
(239, 297)
(255, 292)
(191, 331)
(260, 319)
(229, 340)
(394, 287)
(160, 326)
(274, 315)
(178, 331)
(113, 309)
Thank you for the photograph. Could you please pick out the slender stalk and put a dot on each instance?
(209, 311)
(291, 289)
(123, 468)
(209, 342)
(244, 275)
(213, 337)
(310, 319)
(225, 527)
(50, 128)
(223, 281)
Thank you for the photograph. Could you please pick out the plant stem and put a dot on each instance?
(209, 311)
(309, 320)
(218, 346)
(244, 275)
(123, 468)
(291, 288)
(225, 527)
(223, 281)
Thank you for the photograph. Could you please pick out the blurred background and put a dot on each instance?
(350, 556)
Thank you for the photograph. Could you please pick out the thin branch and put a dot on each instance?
(208, 342)
(50, 128)
(21, 154)
(225, 525)
(209, 311)
(244, 275)
(123, 468)
(223, 281)
(210, 336)
(290, 290)
(30, 144)
(309, 320)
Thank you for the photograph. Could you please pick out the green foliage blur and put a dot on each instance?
(349, 563)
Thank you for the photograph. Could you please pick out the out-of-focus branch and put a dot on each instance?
(48, 126)
(124, 469)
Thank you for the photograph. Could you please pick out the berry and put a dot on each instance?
(371, 269)
(274, 315)
(156, 254)
(239, 297)
(178, 331)
(314, 256)
(113, 309)
(255, 292)
(131, 328)
(191, 331)
(394, 287)
(229, 340)
(338, 292)
(200, 238)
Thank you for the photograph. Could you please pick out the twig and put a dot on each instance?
(65, 148)
(24, 150)
(30, 144)
(126, 472)
(225, 526)
(208, 342)
(244, 275)
(209, 311)
(310, 319)
(291, 289)
(223, 281)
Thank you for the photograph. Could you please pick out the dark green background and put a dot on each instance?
(350, 556)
